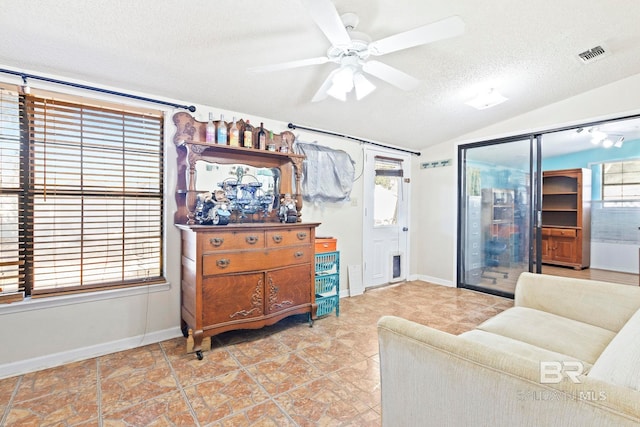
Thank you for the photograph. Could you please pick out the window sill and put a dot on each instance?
(59, 301)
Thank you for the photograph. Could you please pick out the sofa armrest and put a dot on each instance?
(603, 304)
(431, 378)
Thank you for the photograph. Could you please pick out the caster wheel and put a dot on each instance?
(199, 354)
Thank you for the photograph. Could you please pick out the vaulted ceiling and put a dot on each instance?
(199, 52)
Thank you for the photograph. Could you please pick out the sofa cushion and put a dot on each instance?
(513, 346)
(550, 332)
(578, 299)
(619, 363)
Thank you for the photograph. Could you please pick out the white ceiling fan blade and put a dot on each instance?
(446, 28)
(322, 94)
(390, 75)
(287, 65)
(326, 16)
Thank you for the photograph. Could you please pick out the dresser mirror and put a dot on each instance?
(212, 176)
(234, 192)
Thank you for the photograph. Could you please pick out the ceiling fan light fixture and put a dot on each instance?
(362, 85)
(487, 99)
(344, 79)
(335, 91)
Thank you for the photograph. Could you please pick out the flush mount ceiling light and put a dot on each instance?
(487, 99)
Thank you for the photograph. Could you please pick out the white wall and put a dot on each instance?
(434, 193)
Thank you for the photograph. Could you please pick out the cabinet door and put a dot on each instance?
(231, 298)
(288, 287)
(565, 249)
(547, 246)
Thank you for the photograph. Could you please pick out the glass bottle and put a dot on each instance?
(271, 146)
(262, 138)
(234, 134)
(210, 131)
(248, 135)
(221, 135)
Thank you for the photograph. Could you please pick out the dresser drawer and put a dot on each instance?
(239, 261)
(224, 241)
(287, 237)
(563, 232)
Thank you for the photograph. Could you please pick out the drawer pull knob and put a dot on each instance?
(277, 238)
(298, 254)
(216, 241)
(223, 262)
(302, 235)
(252, 240)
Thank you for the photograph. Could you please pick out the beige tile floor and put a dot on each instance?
(287, 374)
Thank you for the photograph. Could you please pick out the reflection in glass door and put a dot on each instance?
(495, 228)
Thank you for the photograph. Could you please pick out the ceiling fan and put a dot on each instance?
(352, 50)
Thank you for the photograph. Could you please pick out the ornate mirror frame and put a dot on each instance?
(191, 146)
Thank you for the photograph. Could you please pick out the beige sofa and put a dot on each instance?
(566, 354)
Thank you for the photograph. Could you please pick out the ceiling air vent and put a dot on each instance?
(592, 54)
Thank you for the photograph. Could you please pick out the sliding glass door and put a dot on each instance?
(497, 201)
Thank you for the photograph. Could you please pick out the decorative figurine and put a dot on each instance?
(288, 212)
(212, 210)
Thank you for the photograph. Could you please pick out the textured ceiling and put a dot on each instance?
(198, 52)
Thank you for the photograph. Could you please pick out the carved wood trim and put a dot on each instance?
(256, 302)
(274, 304)
(190, 143)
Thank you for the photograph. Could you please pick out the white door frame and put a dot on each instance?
(368, 231)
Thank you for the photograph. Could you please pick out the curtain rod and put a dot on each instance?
(292, 126)
(26, 76)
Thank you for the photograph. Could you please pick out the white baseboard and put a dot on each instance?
(434, 280)
(52, 360)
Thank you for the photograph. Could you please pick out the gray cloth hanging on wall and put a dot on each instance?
(327, 174)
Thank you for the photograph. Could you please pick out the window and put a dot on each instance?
(621, 183)
(387, 191)
(81, 192)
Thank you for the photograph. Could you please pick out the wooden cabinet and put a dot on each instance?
(244, 276)
(256, 270)
(566, 218)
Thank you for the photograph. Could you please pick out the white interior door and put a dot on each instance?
(386, 217)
